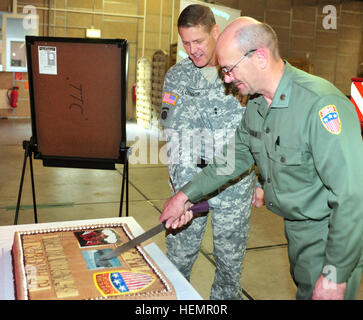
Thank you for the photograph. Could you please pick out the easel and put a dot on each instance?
(125, 180)
(30, 149)
(65, 81)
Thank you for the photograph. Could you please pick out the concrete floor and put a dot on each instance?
(77, 194)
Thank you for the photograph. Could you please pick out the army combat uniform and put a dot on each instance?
(196, 107)
(309, 151)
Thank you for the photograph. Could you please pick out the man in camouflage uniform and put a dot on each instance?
(196, 107)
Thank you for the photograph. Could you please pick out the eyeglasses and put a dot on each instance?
(228, 71)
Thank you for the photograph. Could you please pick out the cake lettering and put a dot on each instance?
(35, 266)
(61, 274)
(103, 284)
(135, 261)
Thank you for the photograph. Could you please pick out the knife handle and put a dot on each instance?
(202, 206)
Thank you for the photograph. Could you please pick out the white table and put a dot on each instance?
(184, 290)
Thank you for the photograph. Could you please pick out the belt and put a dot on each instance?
(244, 175)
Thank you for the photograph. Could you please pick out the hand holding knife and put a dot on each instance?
(202, 206)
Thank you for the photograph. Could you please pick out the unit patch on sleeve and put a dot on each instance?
(330, 119)
(170, 98)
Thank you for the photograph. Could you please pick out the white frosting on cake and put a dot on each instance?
(22, 266)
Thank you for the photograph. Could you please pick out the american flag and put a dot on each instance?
(170, 98)
(330, 118)
(130, 281)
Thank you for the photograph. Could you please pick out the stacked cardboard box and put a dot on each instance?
(143, 90)
(159, 67)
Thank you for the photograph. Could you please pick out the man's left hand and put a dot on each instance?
(327, 290)
(258, 197)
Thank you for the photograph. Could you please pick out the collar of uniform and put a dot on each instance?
(210, 73)
(282, 94)
(198, 81)
(260, 104)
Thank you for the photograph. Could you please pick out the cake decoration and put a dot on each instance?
(64, 263)
(93, 259)
(121, 282)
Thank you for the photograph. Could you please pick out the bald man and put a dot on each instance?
(304, 135)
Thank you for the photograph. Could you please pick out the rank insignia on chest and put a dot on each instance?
(330, 119)
(170, 98)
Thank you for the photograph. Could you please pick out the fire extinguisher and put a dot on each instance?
(13, 96)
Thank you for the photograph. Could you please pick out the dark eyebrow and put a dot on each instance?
(195, 40)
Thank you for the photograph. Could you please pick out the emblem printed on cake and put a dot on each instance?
(98, 237)
(121, 282)
(93, 259)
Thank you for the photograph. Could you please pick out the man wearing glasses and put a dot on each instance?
(304, 135)
(198, 117)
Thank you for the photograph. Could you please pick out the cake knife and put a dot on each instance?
(202, 206)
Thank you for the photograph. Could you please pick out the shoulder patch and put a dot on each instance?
(330, 119)
(164, 113)
(170, 98)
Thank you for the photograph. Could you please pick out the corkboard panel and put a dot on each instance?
(79, 111)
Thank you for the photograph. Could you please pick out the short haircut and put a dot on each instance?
(194, 15)
(258, 35)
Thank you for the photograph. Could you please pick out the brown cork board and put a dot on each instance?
(77, 108)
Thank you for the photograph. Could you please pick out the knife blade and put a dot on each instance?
(202, 206)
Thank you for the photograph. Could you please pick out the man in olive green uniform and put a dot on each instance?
(304, 135)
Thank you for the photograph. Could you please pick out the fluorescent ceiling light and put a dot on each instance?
(221, 13)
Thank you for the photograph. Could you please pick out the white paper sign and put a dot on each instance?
(47, 60)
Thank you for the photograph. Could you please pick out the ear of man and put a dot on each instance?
(215, 31)
(262, 57)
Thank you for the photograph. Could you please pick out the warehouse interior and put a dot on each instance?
(334, 53)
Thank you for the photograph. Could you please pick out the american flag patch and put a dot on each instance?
(330, 119)
(170, 98)
(116, 283)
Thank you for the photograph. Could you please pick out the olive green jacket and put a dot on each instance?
(309, 151)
